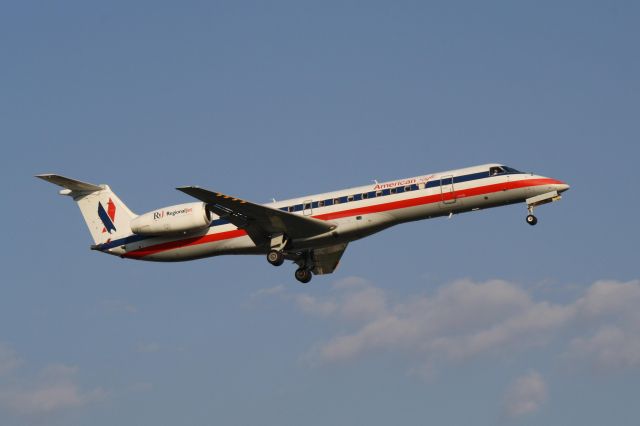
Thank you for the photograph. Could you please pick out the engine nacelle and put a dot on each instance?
(176, 219)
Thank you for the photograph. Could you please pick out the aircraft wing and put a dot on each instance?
(326, 259)
(259, 221)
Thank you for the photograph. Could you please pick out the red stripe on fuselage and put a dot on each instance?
(209, 238)
(393, 205)
(435, 198)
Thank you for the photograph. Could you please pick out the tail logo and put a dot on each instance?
(107, 216)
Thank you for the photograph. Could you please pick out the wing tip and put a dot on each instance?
(45, 176)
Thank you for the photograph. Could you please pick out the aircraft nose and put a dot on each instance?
(561, 187)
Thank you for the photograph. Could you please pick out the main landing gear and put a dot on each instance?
(276, 256)
(303, 275)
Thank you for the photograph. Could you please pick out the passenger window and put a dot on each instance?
(407, 188)
(350, 198)
(379, 194)
(291, 209)
(394, 190)
(336, 201)
(320, 203)
(365, 196)
(307, 206)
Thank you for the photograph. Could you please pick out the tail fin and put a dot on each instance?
(106, 215)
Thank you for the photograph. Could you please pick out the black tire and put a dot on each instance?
(275, 257)
(532, 220)
(303, 275)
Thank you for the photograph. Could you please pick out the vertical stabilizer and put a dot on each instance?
(107, 217)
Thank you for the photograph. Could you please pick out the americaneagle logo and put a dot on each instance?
(107, 216)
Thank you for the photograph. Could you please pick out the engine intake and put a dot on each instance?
(181, 218)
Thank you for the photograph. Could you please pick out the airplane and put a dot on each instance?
(313, 231)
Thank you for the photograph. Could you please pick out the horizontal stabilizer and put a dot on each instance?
(72, 184)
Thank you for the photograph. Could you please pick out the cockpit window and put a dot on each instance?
(494, 171)
(502, 170)
(511, 170)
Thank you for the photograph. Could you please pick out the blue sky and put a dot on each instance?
(479, 319)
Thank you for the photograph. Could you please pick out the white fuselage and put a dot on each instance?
(357, 212)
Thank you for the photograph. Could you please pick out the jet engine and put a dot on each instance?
(181, 218)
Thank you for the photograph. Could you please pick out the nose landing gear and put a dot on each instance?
(531, 219)
(539, 200)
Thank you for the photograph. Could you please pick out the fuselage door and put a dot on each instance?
(307, 208)
(446, 190)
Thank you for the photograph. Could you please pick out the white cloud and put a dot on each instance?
(9, 360)
(312, 305)
(611, 298)
(525, 395)
(462, 319)
(268, 291)
(364, 303)
(351, 283)
(49, 397)
(609, 348)
(610, 318)
(53, 390)
(466, 319)
(356, 300)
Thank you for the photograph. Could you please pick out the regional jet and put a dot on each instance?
(312, 231)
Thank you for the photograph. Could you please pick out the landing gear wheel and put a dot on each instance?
(532, 220)
(275, 257)
(303, 275)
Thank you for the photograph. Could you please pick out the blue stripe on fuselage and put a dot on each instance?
(219, 222)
